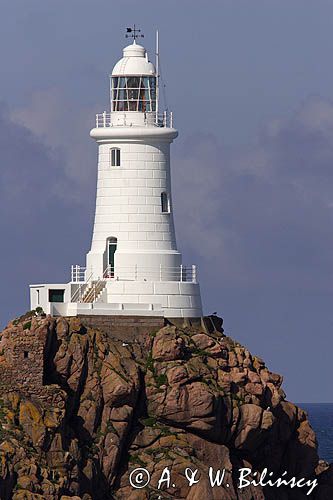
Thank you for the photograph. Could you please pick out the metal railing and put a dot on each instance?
(78, 294)
(103, 120)
(165, 119)
(137, 273)
(78, 275)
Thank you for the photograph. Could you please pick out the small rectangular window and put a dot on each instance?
(165, 205)
(115, 157)
(56, 295)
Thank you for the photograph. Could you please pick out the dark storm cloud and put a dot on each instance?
(39, 229)
(262, 217)
(27, 167)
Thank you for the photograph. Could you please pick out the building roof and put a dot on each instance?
(134, 62)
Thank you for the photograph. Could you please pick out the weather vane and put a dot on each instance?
(133, 33)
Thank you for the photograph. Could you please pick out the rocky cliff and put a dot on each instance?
(83, 405)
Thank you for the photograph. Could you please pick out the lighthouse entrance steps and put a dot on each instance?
(93, 291)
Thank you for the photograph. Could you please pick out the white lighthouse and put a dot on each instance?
(133, 266)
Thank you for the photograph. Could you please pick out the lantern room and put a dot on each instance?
(133, 82)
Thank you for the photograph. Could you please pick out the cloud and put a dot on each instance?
(27, 167)
(63, 124)
(43, 230)
(261, 217)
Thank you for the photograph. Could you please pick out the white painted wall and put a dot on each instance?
(176, 299)
(39, 295)
(128, 201)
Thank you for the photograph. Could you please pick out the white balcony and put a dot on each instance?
(183, 274)
(134, 119)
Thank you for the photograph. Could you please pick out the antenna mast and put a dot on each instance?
(157, 74)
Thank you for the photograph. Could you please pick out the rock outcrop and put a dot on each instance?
(82, 407)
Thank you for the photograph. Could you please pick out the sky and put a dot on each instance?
(251, 88)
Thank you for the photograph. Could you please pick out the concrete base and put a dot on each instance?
(104, 309)
(170, 299)
(129, 329)
(174, 298)
(138, 329)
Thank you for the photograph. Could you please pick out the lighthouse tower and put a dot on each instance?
(133, 266)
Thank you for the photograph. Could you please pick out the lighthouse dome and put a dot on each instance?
(134, 62)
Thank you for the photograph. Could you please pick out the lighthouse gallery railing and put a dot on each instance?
(164, 119)
(93, 285)
(137, 273)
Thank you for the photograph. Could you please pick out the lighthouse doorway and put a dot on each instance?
(112, 247)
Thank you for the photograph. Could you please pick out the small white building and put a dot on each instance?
(133, 266)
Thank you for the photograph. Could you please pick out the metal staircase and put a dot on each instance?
(90, 290)
(93, 291)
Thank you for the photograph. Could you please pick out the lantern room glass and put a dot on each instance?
(133, 93)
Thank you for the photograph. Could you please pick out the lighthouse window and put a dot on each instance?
(165, 205)
(115, 157)
(56, 295)
(134, 93)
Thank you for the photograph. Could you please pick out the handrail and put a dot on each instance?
(90, 286)
(77, 273)
(180, 273)
(78, 292)
(99, 282)
(165, 119)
